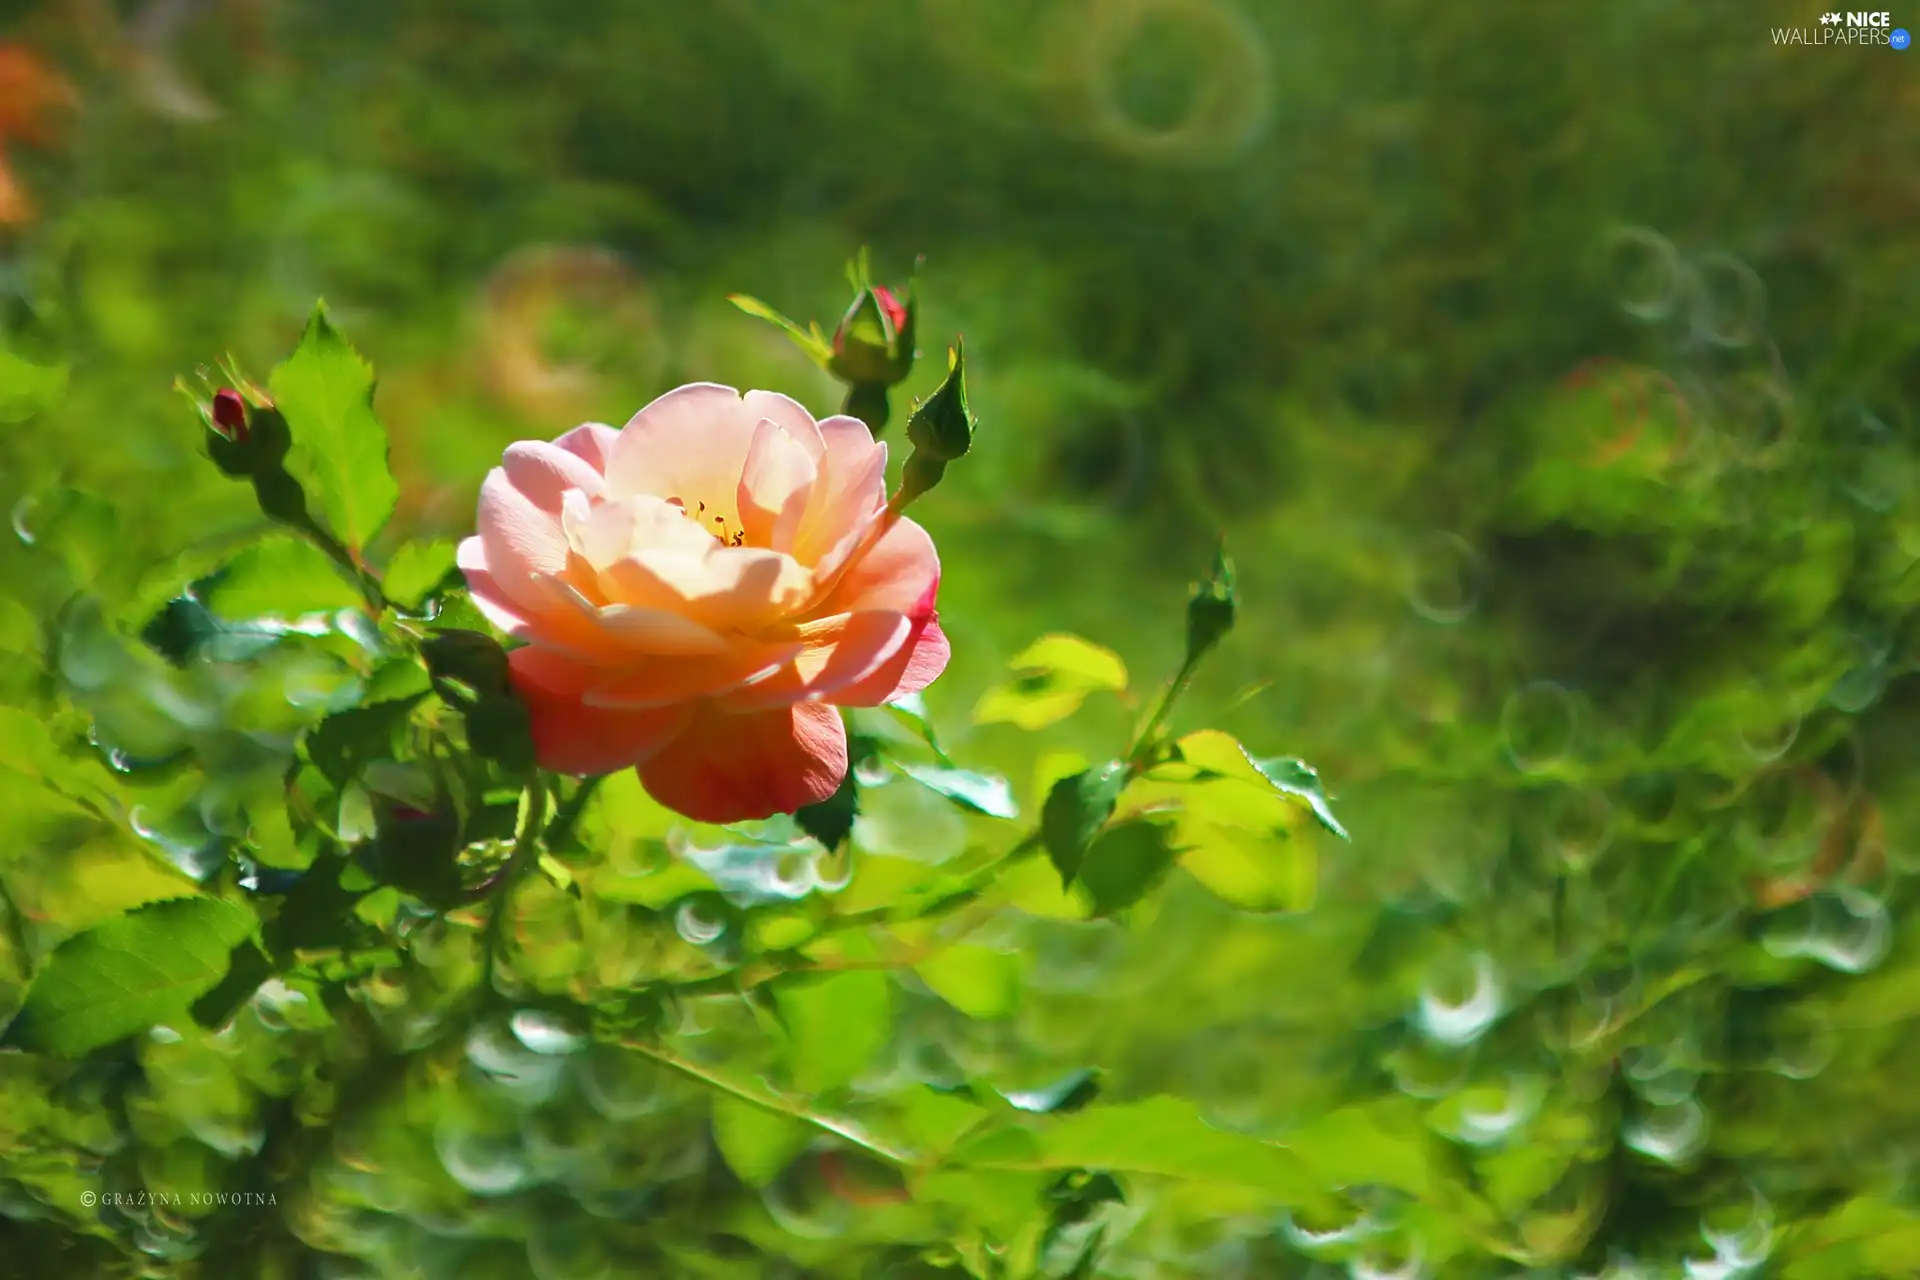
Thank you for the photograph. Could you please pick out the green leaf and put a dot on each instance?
(807, 341)
(472, 658)
(1298, 778)
(755, 1142)
(1211, 756)
(1245, 838)
(1070, 1093)
(28, 389)
(1254, 871)
(985, 793)
(1075, 811)
(346, 742)
(1160, 1137)
(416, 570)
(836, 1025)
(978, 981)
(499, 729)
(1053, 677)
(127, 974)
(325, 391)
(1124, 863)
(912, 710)
(1070, 657)
(281, 576)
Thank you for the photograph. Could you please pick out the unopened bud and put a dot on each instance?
(230, 415)
(942, 426)
(891, 307)
(1211, 610)
(873, 345)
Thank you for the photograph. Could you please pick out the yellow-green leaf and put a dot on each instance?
(836, 1025)
(978, 981)
(1053, 676)
(417, 569)
(281, 576)
(1257, 872)
(325, 392)
(755, 1142)
(127, 974)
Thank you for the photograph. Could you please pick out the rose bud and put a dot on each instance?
(873, 345)
(230, 415)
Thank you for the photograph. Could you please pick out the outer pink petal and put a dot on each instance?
(838, 652)
(571, 737)
(502, 611)
(917, 664)
(543, 472)
(691, 444)
(731, 768)
(899, 572)
(520, 539)
(592, 441)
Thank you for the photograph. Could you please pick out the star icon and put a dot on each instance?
(1829, 19)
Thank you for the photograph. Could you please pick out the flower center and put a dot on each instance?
(712, 521)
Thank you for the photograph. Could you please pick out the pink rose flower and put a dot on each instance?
(699, 591)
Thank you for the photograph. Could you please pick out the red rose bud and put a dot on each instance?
(873, 343)
(895, 311)
(230, 414)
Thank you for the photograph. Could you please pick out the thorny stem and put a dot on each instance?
(571, 809)
(526, 848)
(1148, 737)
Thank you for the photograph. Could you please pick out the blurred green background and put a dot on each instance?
(1551, 370)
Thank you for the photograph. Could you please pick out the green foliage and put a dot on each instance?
(283, 577)
(28, 389)
(1607, 659)
(835, 1024)
(1053, 676)
(325, 392)
(128, 974)
(1076, 810)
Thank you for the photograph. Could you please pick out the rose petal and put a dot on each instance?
(775, 487)
(607, 532)
(732, 768)
(835, 653)
(729, 587)
(571, 737)
(690, 444)
(520, 539)
(620, 632)
(592, 441)
(851, 490)
(493, 602)
(911, 668)
(897, 572)
(659, 681)
(792, 415)
(543, 472)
